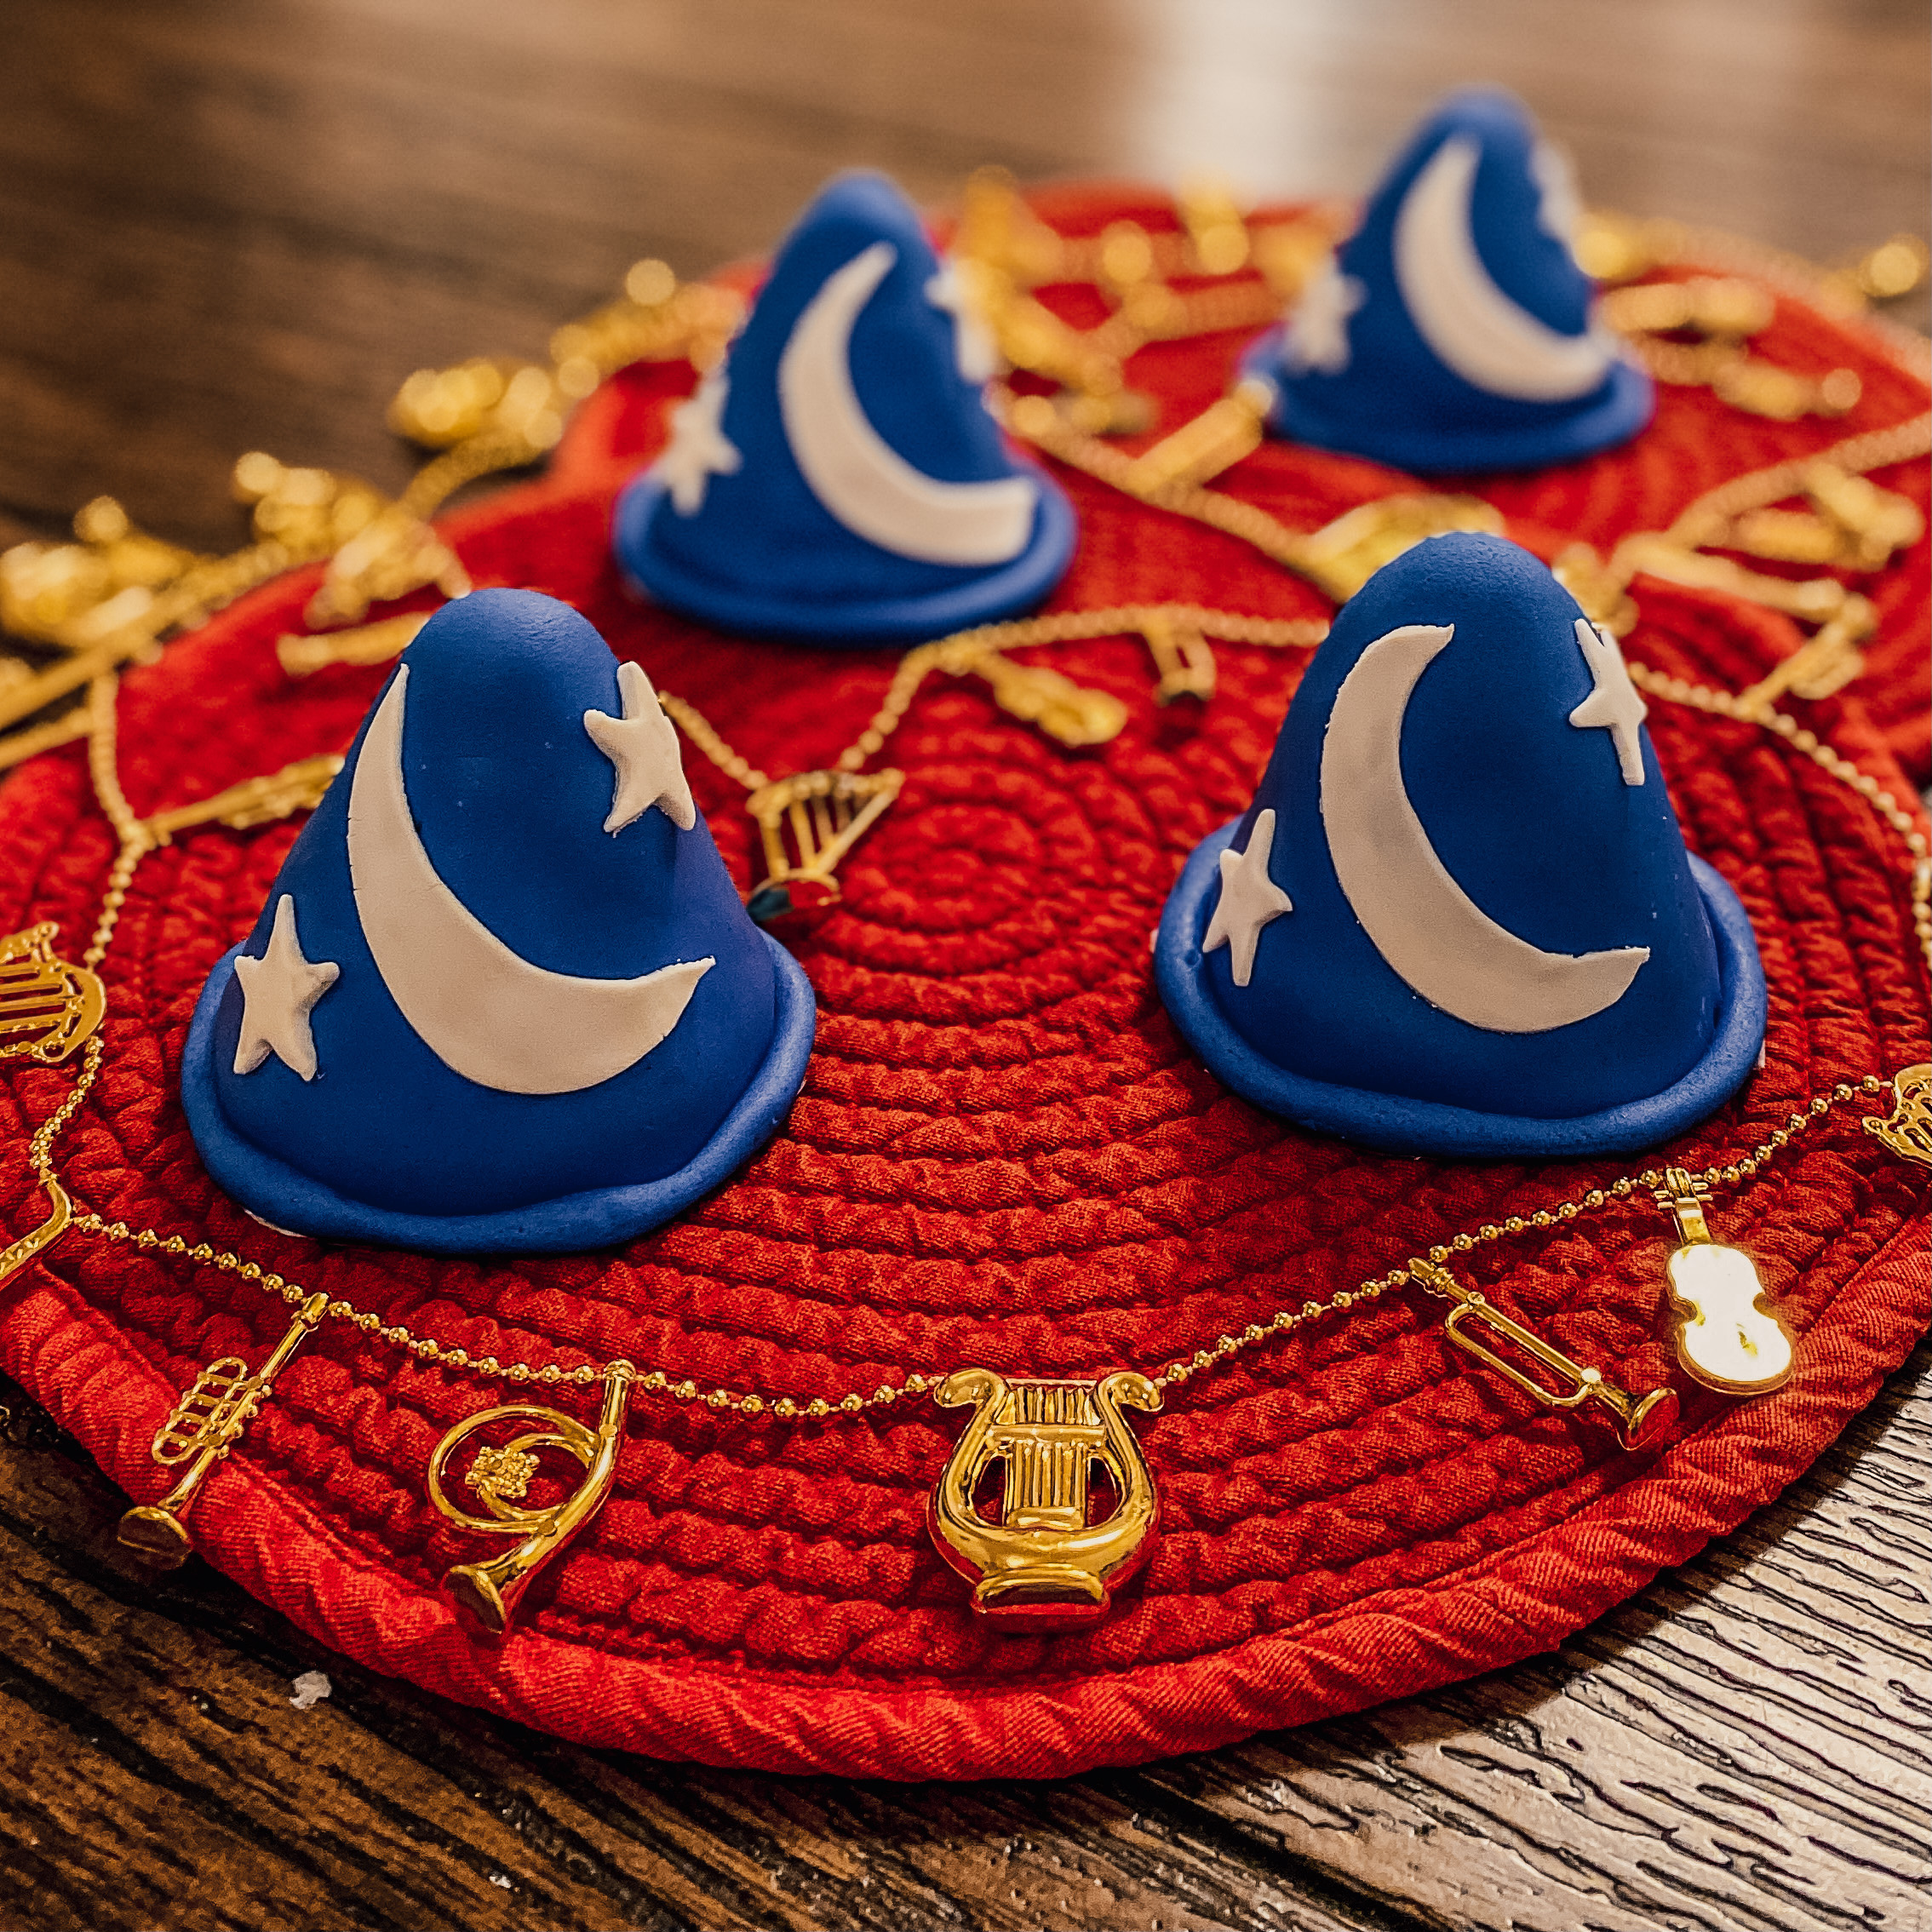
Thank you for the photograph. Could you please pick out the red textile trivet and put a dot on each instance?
(1002, 1154)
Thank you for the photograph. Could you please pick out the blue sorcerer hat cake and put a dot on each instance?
(1459, 917)
(838, 479)
(1454, 330)
(503, 995)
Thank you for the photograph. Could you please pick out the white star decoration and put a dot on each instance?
(699, 448)
(643, 745)
(1249, 900)
(973, 348)
(1614, 705)
(1318, 338)
(279, 992)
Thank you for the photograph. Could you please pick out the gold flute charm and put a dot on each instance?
(1731, 1335)
(206, 1423)
(1908, 1133)
(486, 1595)
(1042, 1564)
(1641, 1421)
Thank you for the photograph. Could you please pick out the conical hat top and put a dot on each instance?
(1455, 330)
(837, 478)
(1459, 916)
(503, 994)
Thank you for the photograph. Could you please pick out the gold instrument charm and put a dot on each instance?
(1908, 1133)
(486, 1595)
(1641, 1421)
(1041, 1563)
(205, 1424)
(48, 1008)
(1731, 1335)
(827, 813)
(16, 1254)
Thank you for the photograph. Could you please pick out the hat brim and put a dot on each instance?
(293, 1203)
(1398, 1125)
(858, 622)
(1612, 417)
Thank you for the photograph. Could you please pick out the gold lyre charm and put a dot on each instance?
(827, 813)
(1041, 1563)
(486, 1595)
(1908, 1133)
(204, 1425)
(48, 1008)
(1641, 1421)
(1731, 1335)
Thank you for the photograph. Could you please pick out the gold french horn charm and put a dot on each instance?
(486, 1595)
(1041, 1563)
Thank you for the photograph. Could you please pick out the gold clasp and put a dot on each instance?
(486, 1595)
(201, 1429)
(1641, 1421)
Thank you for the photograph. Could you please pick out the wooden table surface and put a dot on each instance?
(227, 225)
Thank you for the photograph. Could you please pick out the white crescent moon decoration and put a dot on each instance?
(859, 477)
(484, 1011)
(1432, 934)
(1472, 326)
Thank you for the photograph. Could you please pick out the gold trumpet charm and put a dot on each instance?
(206, 1423)
(1641, 1421)
(1731, 1335)
(486, 1595)
(1042, 1564)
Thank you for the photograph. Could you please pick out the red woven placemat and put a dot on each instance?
(1002, 1154)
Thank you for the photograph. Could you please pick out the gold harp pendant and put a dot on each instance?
(827, 813)
(1042, 1564)
(48, 1008)
(1640, 1420)
(205, 1424)
(1908, 1133)
(486, 1595)
(47, 1011)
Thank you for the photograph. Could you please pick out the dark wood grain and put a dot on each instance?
(227, 225)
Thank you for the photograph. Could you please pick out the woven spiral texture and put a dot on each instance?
(1003, 1154)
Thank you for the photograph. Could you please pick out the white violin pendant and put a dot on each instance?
(1731, 1335)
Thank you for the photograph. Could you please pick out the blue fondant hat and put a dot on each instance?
(503, 996)
(1454, 330)
(1459, 917)
(838, 479)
